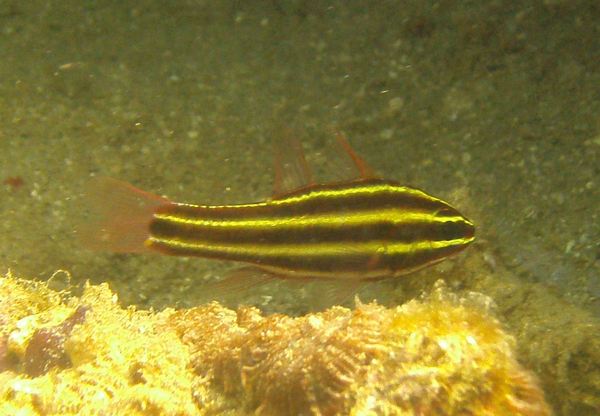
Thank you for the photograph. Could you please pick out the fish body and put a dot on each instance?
(365, 228)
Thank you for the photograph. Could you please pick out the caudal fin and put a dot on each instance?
(118, 216)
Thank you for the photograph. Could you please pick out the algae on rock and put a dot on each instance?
(440, 354)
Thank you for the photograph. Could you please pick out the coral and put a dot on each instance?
(64, 355)
(4, 357)
(557, 339)
(426, 357)
(87, 355)
(20, 305)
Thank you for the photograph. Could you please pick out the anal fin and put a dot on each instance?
(334, 293)
(237, 284)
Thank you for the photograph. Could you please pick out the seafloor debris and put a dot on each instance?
(433, 356)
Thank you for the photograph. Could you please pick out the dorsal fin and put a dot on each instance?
(291, 169)
(341, 163)
(364, 170)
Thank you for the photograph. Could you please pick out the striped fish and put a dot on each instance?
(365, 228)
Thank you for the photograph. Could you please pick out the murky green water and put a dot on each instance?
(491, 105)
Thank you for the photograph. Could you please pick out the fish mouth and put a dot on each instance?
(470, 229)
(457, 226)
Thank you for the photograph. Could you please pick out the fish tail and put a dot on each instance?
(118, 216)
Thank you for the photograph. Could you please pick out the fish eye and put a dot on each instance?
(452, 230)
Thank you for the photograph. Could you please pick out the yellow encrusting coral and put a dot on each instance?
(438, 355)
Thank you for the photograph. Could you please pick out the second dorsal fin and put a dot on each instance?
(362, 167)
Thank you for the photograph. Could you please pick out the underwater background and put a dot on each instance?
(492, 105)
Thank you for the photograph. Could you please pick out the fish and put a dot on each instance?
(363, 228)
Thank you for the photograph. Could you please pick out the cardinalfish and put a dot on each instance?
(362, 228)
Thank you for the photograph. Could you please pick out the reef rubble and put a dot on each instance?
(441, 354)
